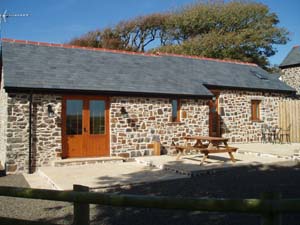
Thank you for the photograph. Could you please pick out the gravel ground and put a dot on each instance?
(30, 209)
(246, 182)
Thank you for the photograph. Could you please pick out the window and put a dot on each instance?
(255, 110)
(74, 117)
(97, 117)
(259, 75)
(175, 110)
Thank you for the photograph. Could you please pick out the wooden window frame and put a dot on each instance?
(178, 117)
(255, 110)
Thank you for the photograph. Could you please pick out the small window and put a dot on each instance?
(175, 110)
(255, 110)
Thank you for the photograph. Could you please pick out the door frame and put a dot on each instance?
(85, 98)
(216, 94)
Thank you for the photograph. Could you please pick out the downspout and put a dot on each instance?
(30, 134)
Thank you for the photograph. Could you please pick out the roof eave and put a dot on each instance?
(289, 65)
(292, 92)
(107, 93)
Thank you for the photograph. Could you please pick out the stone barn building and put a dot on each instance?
(60, 101)
(290, 68)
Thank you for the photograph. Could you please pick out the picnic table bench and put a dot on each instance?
(206, 145)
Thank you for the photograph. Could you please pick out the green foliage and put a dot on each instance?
(132, 35)
(245, 31)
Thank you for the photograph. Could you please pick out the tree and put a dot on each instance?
(134, 35)
(242, 30)
(140, 32)
(235, 30)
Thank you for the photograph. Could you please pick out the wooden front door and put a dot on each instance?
(214, 118)
(85, 126)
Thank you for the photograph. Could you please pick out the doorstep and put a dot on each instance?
(87, 161)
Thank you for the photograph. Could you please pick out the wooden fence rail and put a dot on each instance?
(289, 115)
(270, 206)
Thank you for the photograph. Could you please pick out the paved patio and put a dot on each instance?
(283, 150)
(103, 175)
(158, 168)
(189, 164)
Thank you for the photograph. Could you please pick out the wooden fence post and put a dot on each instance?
(270, 218)
(81, 211)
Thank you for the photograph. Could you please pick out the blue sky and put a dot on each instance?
(59, 20)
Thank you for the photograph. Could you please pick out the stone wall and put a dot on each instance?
(46, 138)
(129, 136)
(291, 76)
(151, 116)
(46, 132)
(3, 122)
(17, 132)
(235, 110)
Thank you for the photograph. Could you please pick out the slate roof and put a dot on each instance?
(292, 59)
(32, 66)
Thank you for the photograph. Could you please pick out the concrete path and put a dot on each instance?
(104, 175)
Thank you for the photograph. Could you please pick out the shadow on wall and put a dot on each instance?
(224, 128)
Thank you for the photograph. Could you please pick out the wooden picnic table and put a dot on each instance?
(206, 145)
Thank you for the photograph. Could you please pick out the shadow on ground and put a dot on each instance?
(239, 182)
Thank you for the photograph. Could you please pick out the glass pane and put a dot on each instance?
(97, 117)
(74, 117)
(174, 110)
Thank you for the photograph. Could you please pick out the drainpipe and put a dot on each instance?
(30, 134)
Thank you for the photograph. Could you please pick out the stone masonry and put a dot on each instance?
(46, 138)
(148, 117)
(235, 112)
(17, 132)
(130, 136)
(291, 76)
(46, 132)
(3, 123)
